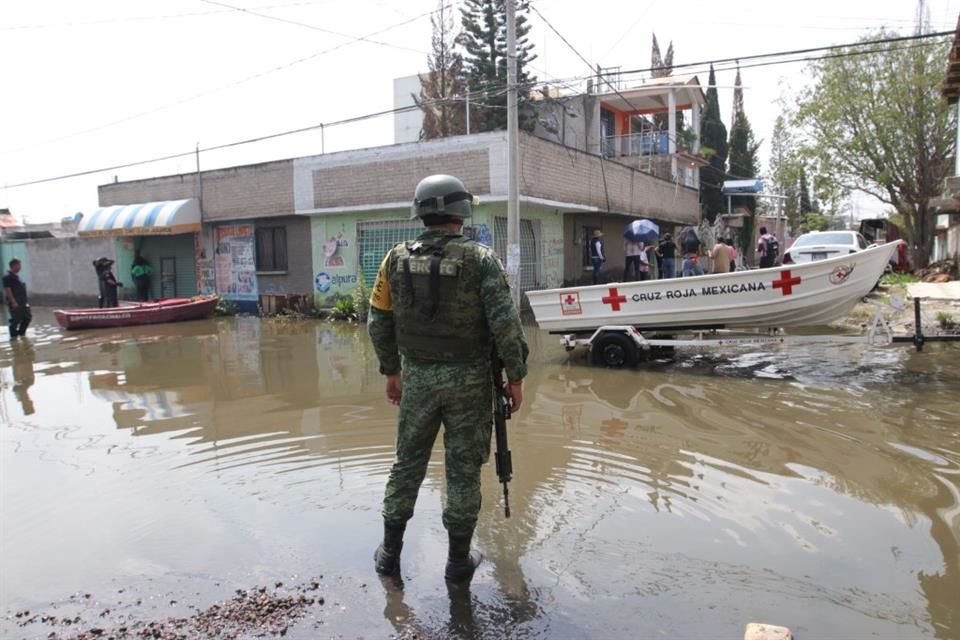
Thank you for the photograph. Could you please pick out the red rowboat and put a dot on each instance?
(170, 310)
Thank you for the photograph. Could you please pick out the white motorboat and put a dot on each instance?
(796, 295)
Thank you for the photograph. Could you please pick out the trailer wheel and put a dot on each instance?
(613, 350)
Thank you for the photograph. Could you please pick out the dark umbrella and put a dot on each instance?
(642, 230)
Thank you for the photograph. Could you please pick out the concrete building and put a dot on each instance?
(308, 229)
(245, 245)
(313, 226)
(359, 204)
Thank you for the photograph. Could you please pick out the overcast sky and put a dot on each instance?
(100, 83)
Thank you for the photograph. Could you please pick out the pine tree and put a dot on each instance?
(484, 39)
(713, 143)
(442, 89)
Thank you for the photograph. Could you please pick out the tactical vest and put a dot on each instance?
(436, 300)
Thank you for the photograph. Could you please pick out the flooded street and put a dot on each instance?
(154, 471)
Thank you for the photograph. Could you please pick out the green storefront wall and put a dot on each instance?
(351, 246)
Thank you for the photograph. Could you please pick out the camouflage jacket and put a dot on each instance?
(475, 305)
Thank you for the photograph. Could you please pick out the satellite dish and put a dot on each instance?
(897, 302)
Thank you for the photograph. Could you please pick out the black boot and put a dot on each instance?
(461, 560)
(387, 557)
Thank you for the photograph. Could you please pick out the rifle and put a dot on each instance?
(501, 413)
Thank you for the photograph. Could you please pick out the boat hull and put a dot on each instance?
(808, 294)
(172, 310)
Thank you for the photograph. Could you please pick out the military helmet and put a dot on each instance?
(442, 195)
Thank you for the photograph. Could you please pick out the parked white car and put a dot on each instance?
(820, 245)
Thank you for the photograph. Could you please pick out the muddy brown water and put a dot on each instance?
(157, 470)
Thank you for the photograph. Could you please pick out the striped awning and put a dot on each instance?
(156, 405)
(149, 218)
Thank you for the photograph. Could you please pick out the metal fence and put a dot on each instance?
(375, 239)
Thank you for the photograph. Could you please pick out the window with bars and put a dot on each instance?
(529, 265)
(375, 239)
(271, 248)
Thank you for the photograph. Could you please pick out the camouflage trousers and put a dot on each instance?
(460, 397)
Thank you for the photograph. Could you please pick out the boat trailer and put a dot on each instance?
(618, 346)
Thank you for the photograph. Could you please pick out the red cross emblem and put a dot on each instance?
(570, 304)
(614, 299)
(786, 282)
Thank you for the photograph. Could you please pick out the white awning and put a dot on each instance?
(156, 405)
(149, 218)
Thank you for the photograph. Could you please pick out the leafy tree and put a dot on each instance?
(443, 88)
(713, 144)
(484, 38)
(875, 123)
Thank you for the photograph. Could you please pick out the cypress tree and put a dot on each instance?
(743, 148)
(806, 204)
(484, 40)
(662, 67)
(713, 143)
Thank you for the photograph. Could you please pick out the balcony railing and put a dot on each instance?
(647, 143)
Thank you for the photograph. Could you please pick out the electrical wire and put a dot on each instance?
(477, 93)
(218, 89)
(312, 27)
(192, 14)
(237, 143)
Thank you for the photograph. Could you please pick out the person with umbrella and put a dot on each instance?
(634, 252)
(637, 236)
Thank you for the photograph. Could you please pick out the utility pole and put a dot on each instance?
(513, 151)
(199, 179)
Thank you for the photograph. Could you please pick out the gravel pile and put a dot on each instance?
(256, 612)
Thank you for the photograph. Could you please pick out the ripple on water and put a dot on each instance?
(720, 483)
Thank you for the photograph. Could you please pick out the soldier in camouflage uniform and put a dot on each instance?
(439, 307)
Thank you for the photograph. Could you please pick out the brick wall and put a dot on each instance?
(394, 180)
(554, 172)
(237, 193)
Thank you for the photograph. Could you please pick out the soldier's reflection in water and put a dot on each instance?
(23, 377)
(470, 616)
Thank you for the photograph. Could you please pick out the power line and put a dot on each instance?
(86, 23)
(477, 93)
(309, 26)
(579, 55)
(759, 56)
(237, 143)
(220, 88)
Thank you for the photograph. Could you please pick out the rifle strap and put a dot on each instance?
(408, 281)
(432, 303)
